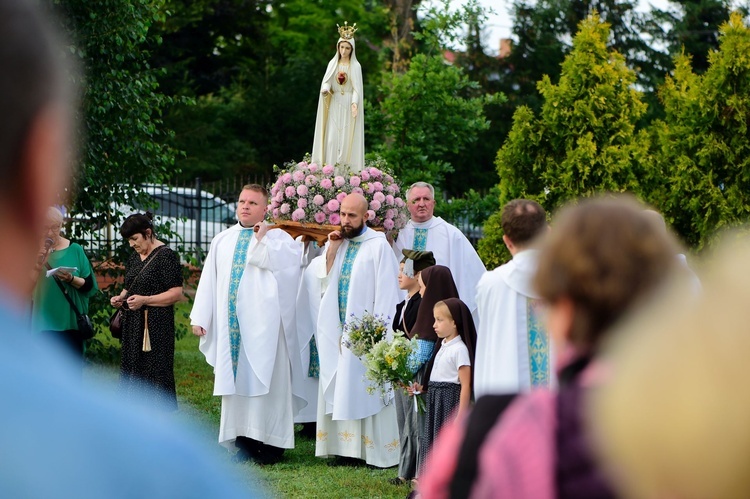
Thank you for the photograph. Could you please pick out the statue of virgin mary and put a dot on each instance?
(339, 125)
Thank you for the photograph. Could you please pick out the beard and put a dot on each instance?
(350, 232)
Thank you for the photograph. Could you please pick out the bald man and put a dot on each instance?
(358, 272)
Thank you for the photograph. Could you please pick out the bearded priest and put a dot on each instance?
(358, 272)
(245, 318)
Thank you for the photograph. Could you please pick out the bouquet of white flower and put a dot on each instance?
(361, 334)
(392, 363)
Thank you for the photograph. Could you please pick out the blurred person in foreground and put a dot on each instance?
(603, 260)
(52, 313)
(153, 284)
(58, 439)
(673, 420)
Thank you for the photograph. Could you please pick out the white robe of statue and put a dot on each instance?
(452, 249)
(503, 357)
(308, 304)
(352, 422)
(340, 138)
(263, 399)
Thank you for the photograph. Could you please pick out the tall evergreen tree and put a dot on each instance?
(703, 145)
(584, 139)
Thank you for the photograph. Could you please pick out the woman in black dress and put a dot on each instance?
(153, 284)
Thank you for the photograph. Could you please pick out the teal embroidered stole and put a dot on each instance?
(238, 267)
(420, 240)
(346, 276)
(538, 346)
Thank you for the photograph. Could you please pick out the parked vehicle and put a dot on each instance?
(182, 220)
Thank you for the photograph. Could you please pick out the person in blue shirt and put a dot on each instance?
(58, 438)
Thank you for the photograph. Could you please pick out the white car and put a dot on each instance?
(192, 224)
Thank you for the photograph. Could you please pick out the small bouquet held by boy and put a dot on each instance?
(389, 362)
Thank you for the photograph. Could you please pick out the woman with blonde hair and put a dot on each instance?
(673, 420)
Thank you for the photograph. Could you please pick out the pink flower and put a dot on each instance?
(354, 181)
(388, 224)
(388, 179)
(375, 173)
(370, 188)
(298, 176)
(396, 188)
(358, 190)
(285, 208)
(326, 183)
(302, 165)
(290, 191)
(286, 178)
(302, 190)
(391, 189)
(378, 186)
(340, 197)
(333, 205)
(298, 214)
(275, 189)
(390, 213)
(313, 167)
(370, 215)
(339, 181)
(365, 176)
(279, 197)
(399, 202)
(389, 199)
(276, 213)
(328, 170)
(375, 205)
(334, 219)
(311, 180)
(302, 203)
(379, 196)
(319, 200)
(320, 217)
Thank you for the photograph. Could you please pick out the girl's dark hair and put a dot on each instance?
(138, 223)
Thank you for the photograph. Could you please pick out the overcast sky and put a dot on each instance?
(500, 23)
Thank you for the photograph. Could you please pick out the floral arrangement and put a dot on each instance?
(362, 334)
(312, 194)
(391, 363)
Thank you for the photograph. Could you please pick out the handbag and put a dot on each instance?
(115, 322)
(83, 321)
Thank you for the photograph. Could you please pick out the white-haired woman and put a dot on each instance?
(51, 312)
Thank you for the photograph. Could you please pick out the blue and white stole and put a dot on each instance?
(239, 260)
(420, 239)
(538, 341)
(346, 276)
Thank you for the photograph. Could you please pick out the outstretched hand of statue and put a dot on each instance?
(354, 110)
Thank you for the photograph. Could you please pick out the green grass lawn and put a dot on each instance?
(300, 474)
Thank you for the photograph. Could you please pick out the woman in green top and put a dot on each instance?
(52, 313)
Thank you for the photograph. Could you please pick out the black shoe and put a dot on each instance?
(241, 456)
(345, 461)
(398, 481)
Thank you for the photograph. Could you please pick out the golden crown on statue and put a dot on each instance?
(347, 32)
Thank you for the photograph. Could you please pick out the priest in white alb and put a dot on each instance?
(359, 273)
(513, 348)
(451, 248)
(244, 312)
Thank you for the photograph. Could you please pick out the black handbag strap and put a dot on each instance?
(65, 292)
(153, 256)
